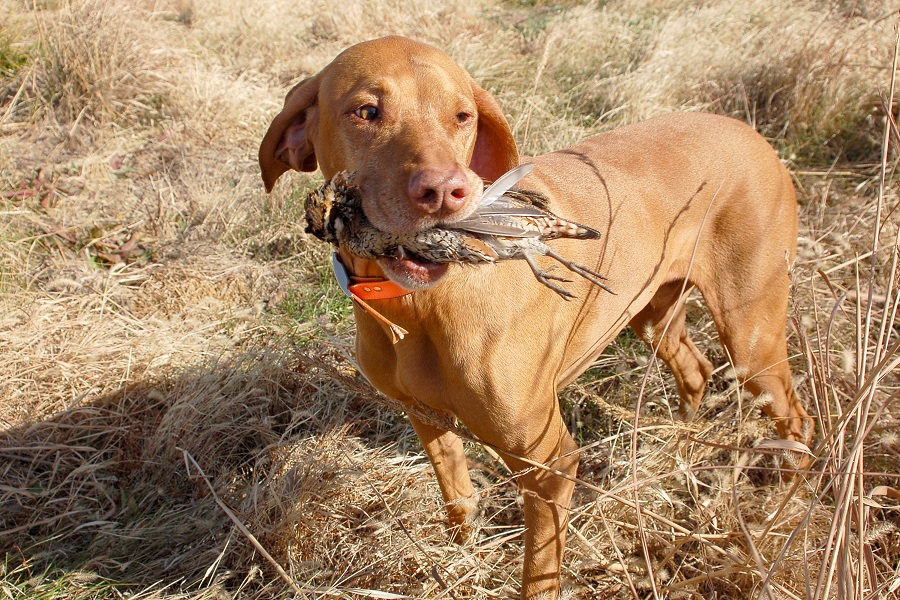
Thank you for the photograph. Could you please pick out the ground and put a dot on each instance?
(173, 344)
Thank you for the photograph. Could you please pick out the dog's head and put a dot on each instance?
(413, 126)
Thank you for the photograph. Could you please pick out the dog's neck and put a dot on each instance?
(367, 280)
(360, 267)
(372, 285)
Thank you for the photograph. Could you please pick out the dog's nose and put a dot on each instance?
(434, 191)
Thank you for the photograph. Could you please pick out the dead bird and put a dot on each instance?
(505, 225)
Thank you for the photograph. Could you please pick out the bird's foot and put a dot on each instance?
(545, 278)
(589, 274)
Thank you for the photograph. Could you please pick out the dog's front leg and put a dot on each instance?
(547, 498)
(445, 450)
(536, 433)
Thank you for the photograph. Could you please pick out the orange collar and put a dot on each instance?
(376, 288)
(361, 289)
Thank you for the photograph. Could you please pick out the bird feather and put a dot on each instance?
(504, 183)
(494, 227)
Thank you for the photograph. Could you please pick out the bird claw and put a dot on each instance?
(592, 276)
(544, 277)
(589, 274)
(562, 292)
(546, 274)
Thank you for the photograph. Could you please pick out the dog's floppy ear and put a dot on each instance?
(495, 149)
(286, 144)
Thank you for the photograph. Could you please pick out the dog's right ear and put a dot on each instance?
(286, 144)
(495, 148)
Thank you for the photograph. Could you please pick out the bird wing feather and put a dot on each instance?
(502, 217)
(479, 249)
(507, 207)
(495, 226)
(504, 183)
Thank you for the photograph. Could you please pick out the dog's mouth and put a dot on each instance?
(412, 271)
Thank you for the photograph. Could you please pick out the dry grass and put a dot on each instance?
(157, 308)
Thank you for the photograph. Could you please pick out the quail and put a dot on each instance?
(505, 225)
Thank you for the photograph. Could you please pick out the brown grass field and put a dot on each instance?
(172, 346)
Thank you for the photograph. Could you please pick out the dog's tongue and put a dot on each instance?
(411, 271)
(421, 269)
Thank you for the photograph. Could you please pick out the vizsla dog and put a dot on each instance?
(682, 201)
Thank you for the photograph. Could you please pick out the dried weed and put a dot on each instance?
(154, 303)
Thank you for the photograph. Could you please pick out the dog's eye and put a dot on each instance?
(367, 112)
(463, 117)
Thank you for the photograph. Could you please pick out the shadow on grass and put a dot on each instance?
(285, 440)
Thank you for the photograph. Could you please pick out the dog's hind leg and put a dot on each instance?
(661, 325)
(751, 322)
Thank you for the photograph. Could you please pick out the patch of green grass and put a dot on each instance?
(294, 207)
(319, 296)
(17, 581)
(627, 343)
(849, 135)
(11, 59)
(534, 22)
(319, 300)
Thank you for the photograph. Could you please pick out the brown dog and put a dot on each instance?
(686, 196)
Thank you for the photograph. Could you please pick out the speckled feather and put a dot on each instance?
(512, 227)
(334, 214)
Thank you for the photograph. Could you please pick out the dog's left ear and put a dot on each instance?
(495, 149)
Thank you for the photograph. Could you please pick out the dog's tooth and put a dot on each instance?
(401, 252)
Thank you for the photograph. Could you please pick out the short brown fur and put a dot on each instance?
(687, 196)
